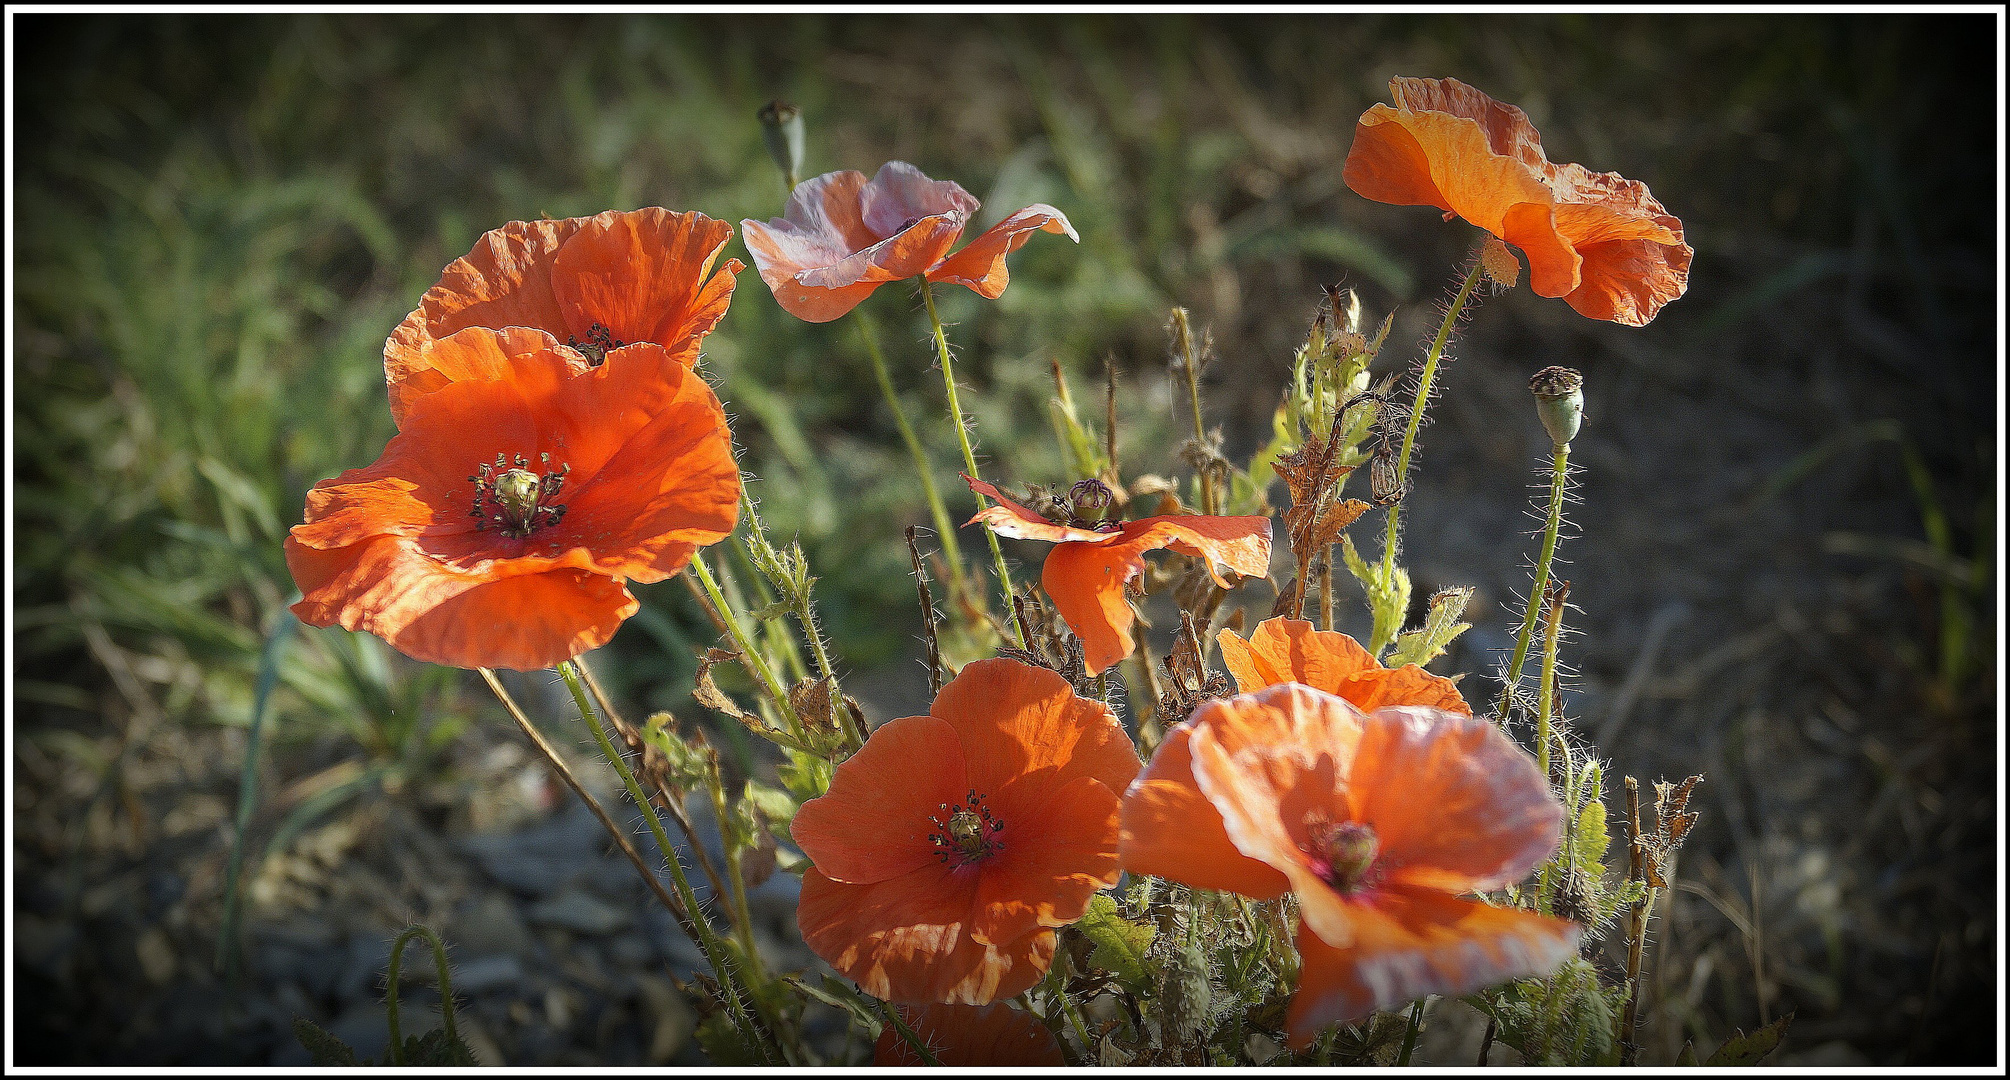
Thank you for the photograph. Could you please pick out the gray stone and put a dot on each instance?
(544, 859)
(580, 912)
(490, 927)
(487, 973)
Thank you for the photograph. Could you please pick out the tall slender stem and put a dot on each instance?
(749, 656)
(945, 527)
(1559, 469)
(963, 439)
(1545, 699)
(709, 942)
(1424, 381)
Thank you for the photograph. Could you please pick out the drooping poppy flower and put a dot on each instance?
(596, 283)
(841, 236)
(1378, 822)
(1086, 572)
(967, 1035)
(501, 522)
(1598, 240)
(950, 846)
(1282, 650)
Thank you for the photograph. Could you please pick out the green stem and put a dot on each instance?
(963, 439)
(709, 941)
(396, 1053)
(1545, 700)
(781, 643)
(945, 527)
(914, 1041)
(749, 656)
(1424, 381)
(1558, 469)
(743, 927)
(1410, 1035)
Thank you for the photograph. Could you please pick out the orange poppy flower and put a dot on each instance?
(965, 1035)
(501, 522)
(1378, 822)
(1598, 240)
(1282, 650)
(1086, 572)
(596, 283)
(950, 845)
(841, 236)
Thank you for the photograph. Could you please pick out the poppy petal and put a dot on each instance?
(1455, 804)
(1016, 720)
(1413, 942)
(1086, 583)
(1060, 849)
(966, 1035)
(900, 194)
(468, 355)
(1010, 519)
(1285, 650)
(643, 276)
(980, 266)
(1170, 830)
(905, 939)
(1240, 544)
(864, 829)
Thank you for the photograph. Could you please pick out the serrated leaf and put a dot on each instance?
(1688, 1054)
(726, 1044)
(1441, 627)
(1742, 1049)
(323, 1046)
(434, 1048)
(1120, 943)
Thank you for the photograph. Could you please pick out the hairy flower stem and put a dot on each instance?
(963, 439)
(748, 656)
(1559, 470)
(709, 941)
(1545, 700)
(944, 526)
(1190, 359)
(907, 1034)
(396, 1050)
(786, 652)
(1410, 1034)
(1424, 380)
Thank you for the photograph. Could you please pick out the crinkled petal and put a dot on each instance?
(1059, 849)
(1411, 942)
(1227, 544)
(467, 355)
(1017, 721)
(900, 194)
(874, 822)
(1086, 583)
(980, 266)
(1170, 830)
(1008, 518)
(907, 939)
(646, 276)
(1282, 650)
(962, 1036)
(1454, 803)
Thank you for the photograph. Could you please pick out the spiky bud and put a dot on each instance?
(1559, 401)
(1185, 998)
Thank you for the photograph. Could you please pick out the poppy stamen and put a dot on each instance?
(599, 342)
(515, 500)
(1342, 853)
(967, 833)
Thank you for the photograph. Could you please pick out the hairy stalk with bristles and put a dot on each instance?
(945, 527)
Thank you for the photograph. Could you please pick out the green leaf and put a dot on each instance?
(1120, 943)
(1440, 627)
(435, 1048)
(1742, 1049)
(726, 1044)
(840, 995)
(1592, 839)
(325, 1048)
(776, 805)
(1688, 1054)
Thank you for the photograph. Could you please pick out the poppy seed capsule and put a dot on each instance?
(782, 130)
(1559, 401)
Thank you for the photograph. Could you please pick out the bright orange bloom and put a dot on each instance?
(1598, 240)
(951, 845)
(964, 1035)
(595, 283)
(501, 522)
(1378, 822)
(1086, 572)
(842, 236)
(1282, 650)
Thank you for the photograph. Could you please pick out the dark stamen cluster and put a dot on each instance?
(966, 833)
(1085, 503)
(515, 500)
(599, 342)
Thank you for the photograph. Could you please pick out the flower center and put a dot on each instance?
(599, 342)
(967, 833)
(1342, 853)
(516, 500)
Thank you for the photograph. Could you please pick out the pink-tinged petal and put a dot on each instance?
(1455, 804)
(1411, 942)
(1170, 830)
(866, 829)
(980, 266)
(1008, 518)
(900, 195)
(1059, 849)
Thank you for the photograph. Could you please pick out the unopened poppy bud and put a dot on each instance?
(1185, 999)
(1559, 400)
(782, 129)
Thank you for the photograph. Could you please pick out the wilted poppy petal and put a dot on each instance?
(1008, 518)
(900, 195)
(821, 257)
(1171, 830)
(643, 275)
(962, 1036)
(1059, 850)
(906, 939)
(1086, 583)
(1016, 720)
(1454, 802)
(866, 829)
(1239, 544)
(981, 263)
(1412, 942)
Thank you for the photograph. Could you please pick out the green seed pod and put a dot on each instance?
(1559, 400)
(1185, 998)
(782, 129)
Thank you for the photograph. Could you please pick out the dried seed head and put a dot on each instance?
(1559, 401)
